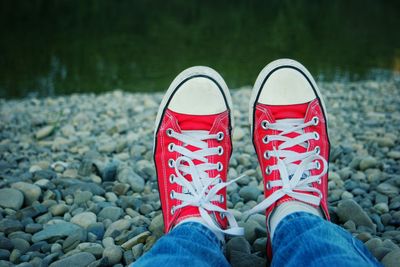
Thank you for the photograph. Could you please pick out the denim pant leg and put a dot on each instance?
(188, 245)
(303, 239)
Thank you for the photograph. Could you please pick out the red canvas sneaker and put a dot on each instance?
(289, 132)
(192, 148)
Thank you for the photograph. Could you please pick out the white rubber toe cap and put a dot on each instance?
(286, 86)
(198, 96)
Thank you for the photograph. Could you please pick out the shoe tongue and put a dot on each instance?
(195, 122)
(296, 111)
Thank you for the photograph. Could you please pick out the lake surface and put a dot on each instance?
(61, 47)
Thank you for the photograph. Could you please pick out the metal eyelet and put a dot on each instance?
(317, 150)
(316, 136)
(220, 136)
(319, 181)
(265, 139)
(268, 186)
(171, 163)
(315, 120)
(172, 194)
(268, 171)
(220, 151)
(220, 167)
(172, 210)
(169, 132)
(221, 199)
(171, 147)
(318, 165)
(172, 178)
(222, 215)
(264, 124)
(267, 155)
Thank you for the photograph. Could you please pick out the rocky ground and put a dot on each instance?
(78, 186)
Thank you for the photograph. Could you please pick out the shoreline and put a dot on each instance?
(83, 163)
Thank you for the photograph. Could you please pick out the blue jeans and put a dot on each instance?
(301, 239)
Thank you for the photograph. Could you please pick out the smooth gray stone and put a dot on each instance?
(9, 226)
(4, 254)
(20, 244)
(128, 176)
(31, 192)
(388, 189)
(97, 229)
(392, 259)
(241, 259)
(4, 263)
(6, 243)
(237, 244)
(112, 213)
(350, 210)
(59, 230)
(11, 198)
(81, 259)
(249, 193)
(113, 254)
(44, 174)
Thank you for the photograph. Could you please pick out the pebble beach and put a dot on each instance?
(78, 185)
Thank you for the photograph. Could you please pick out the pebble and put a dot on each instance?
(388, 189)
(238, 134)
(4, 255)
(81, 259)
(58, 230)
(20, 244)
(119, 184)
(119, 225)
(81, 197)
(92, 248)
(11, 198)
(137, 251)
(141, 238)
(249, 193)
(9, 226)
(128, 176)
(44, 132)
(84, 219)
(112, 213)
(58, 209)
(6, 243)
(250, 227)
(368, 163)
(113, 254)
(350, 210)
(31, 192)
(237, 244)
(394, 154)
(72, 241)
(157, 225)
(97, 229)
(392, 258)
(381, 208)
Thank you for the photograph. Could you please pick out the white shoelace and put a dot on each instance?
(202, 190)
(296, 180)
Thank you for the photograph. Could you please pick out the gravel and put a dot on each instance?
(78, 185)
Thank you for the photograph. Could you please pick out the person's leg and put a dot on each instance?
(289, 130)
(192, 147)
(303, 239)
(189, 244)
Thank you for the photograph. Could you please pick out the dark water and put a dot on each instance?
(52, 47)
